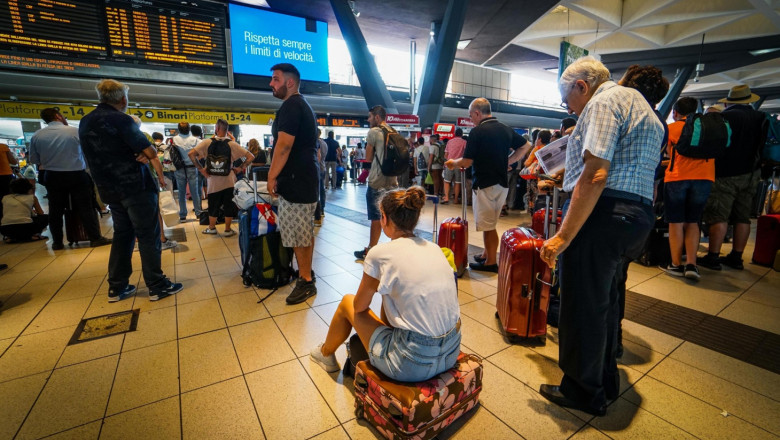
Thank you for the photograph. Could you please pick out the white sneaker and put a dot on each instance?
(169, 244)
(209, 231)
(328, 363)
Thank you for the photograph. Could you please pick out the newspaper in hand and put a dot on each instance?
(552, 157)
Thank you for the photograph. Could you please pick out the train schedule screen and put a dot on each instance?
(169, 40)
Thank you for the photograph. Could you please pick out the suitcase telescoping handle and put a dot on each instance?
(463, 195)
(435, 200)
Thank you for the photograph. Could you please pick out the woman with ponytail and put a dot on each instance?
(418, 335)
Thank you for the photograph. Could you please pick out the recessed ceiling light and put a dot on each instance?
(262, 3)
(463, 43)
(756, 53)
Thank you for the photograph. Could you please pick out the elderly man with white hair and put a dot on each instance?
(610, 164)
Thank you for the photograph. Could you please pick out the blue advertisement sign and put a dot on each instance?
(261, 38)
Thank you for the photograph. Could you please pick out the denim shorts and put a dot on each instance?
(372, 203)
(408, 356)
(684, 200)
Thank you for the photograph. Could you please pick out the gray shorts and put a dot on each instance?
(451, 176)
(295, 223)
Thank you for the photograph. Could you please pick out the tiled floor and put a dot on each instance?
(211, 363)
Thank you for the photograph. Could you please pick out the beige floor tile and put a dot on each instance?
(228, 285)
(198, 289)
(260, 344)
(337, 390)
(89, 350)
(57, 315)
(159, 420)
(206, 359)
(17, 279)
(58, 274)
(279, 409)
(78, 288)
(741, 402)
(475, 288)
(33, 294)
(589, 433)
(73, 396)
(15, 319)
(361, 430)
(190, 271)
(303, 330)
(90, 270)
(765, 291)
(639, 357)
(100, 305)
(242, 307)
(325, 267)
(682, 293)
(327, 311)
(624, 420)
(217, 253)
(465, 298)
(751, 377)
(648, 337)
(753, 314)
(16, 398)
(83, 432)
(34, 353)
(688, 413)
(478, 423)
(337, 433)
(482, 339)
(481, 311)
(144, 376)
(342, 283)
(223, 266)
(5, 343)
(523, 409)
(199, 317)
(223, 410)
(154, 327)
(185, 253)
(325, 294)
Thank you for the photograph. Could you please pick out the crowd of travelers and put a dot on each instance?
(621, 162)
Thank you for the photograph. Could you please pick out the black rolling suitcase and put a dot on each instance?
(74, 228)
(266, 263)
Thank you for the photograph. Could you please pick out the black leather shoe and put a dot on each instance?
(479, 259)
(553, 394)
(484, 267)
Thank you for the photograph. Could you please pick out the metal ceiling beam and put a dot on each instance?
(438, 63)
(374, 88)
(709, 95)
(675, 89)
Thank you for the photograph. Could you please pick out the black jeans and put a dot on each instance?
(136, 216)
(71, 189)
(589, 297)
(25, 231)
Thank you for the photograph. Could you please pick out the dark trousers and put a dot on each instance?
(136, 216)
(321, 203)
(589, 297)
(5, 181)
(25, 231)
(71, 189)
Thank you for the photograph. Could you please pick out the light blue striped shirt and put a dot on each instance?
(57, 148)
(617, 125)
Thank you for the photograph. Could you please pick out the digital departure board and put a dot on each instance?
(164, 40)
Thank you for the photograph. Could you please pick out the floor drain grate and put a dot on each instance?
(104, 326)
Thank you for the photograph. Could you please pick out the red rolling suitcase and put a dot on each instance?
(74, 228)
(524, 283)
(454, 235)
(547, 227)
(767, 239)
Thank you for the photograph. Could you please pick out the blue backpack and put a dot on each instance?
(771, 150)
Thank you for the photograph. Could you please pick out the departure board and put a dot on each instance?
(164, 40)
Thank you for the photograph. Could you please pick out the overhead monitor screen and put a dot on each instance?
(261, 38)
(168, 40)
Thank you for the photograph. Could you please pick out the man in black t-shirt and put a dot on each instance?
(294, 174)
(736, 178)
(491, 148)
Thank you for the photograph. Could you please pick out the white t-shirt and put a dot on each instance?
(432, 150)
(185, 142)
(418, 285)
(17, 209)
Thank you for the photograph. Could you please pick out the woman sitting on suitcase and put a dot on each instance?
(418, 335)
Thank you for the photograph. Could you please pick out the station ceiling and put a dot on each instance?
(523, 36)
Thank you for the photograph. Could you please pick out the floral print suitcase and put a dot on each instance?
(420, 410)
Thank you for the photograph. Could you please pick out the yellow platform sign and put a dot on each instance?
(25, 110)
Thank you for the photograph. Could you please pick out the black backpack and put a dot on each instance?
(176, 158)
(268, 264)
(218, 161)
(396, 157)
(704, 136)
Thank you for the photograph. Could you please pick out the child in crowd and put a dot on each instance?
(418, 335)
(23, 218)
